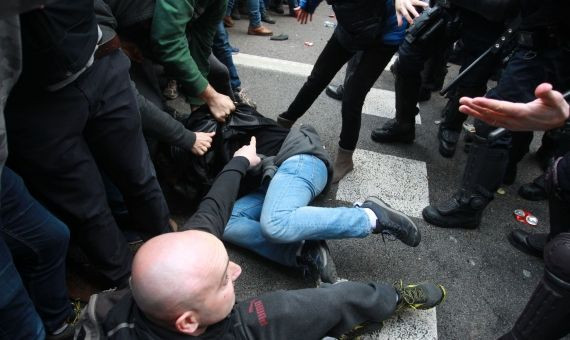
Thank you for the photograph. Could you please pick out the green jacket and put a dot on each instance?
(182, 34)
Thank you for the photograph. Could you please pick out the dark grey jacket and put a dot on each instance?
(301, 140)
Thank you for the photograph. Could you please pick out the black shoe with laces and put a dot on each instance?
(393, 222)
(317, 262)
(67, 330)
(420, 296)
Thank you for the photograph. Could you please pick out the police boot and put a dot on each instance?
(452, 123)
(483, 173)
(403, 128)
(546, 314)
(519, 148)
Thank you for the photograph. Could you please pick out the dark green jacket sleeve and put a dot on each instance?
(185, 56)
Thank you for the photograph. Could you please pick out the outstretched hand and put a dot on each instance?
(549, 110)
(249, 152)
(303, 16)
(406, 9)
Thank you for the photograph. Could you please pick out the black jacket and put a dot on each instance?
(57, 42)
(193, 176)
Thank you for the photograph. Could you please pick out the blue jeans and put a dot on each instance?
(230, 7)
(33, 246)
(274, 222)
(254, 7)
(223, 51)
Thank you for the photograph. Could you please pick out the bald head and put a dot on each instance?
(172, 272)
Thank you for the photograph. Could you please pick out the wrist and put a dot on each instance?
(208, 94)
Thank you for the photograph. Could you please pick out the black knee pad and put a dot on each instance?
(557, 256)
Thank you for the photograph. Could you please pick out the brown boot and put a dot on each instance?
(260, 30)
(228, 22)
(342, 164)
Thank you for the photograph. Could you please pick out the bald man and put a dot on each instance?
(182, 286)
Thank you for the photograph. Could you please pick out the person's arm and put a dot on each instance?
(160, 125)
(548, 111)
(168, 35)
(216, 207)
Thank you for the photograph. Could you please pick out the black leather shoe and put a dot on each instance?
(394, 132)
(534, 191)
(447, 141)
(531, 244)
(393, 222)
(335, 91)
(460, 211)
(267, 18)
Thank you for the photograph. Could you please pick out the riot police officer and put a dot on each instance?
(542, 54)
(439, 29)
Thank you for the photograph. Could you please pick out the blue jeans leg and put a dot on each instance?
(230, 7)
(244, 230)
(223, 51)
(254, 14)
(285, 216)
(18, 317)
(38, 242)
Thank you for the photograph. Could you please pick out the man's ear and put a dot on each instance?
(187, 323)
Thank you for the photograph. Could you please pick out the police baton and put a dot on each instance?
(506, 37)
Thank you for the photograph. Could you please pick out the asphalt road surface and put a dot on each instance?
(487, 280)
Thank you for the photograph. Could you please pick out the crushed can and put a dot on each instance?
(526, 217)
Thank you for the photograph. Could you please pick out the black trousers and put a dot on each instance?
(314, 313)
(356, 87)
(57, 141)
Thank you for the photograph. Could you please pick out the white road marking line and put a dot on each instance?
(280, 65)
(378, 102)
(409, 325)
(400, 182)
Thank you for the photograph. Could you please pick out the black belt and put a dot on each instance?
(108, 47)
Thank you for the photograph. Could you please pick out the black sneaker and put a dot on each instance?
(420, 296)
(267, 18)
(393, 222)
(365, 328)
(317, 262)
(67, 330)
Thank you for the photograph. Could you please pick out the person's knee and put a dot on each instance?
(556, 255)
(56, 243)
(274, 227)
(408, 64)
